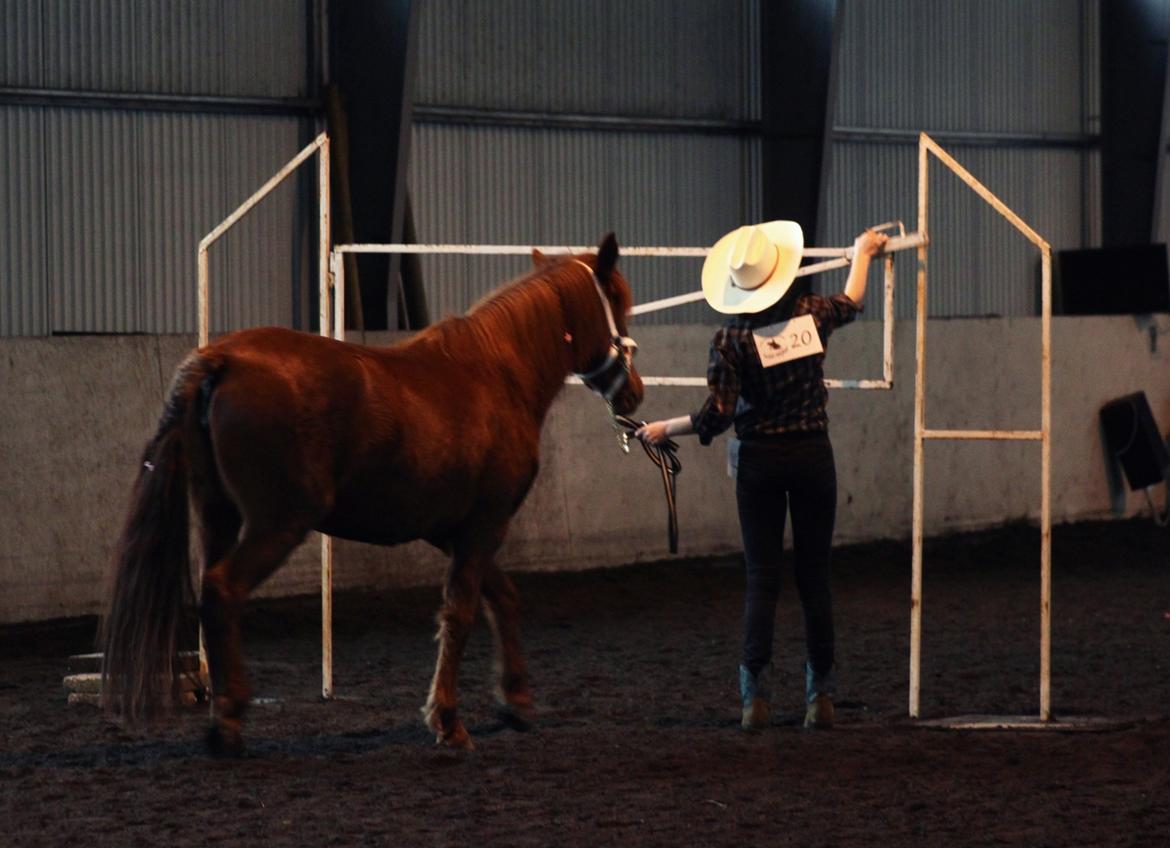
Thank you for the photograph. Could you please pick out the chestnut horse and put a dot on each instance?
(270, 433)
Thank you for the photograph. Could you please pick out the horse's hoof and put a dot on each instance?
(457, 738)
(449, 730)
(224, 742)
(519, 717)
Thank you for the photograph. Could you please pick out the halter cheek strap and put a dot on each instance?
(621, 349)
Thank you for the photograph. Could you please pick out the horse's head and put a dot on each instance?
(603, 352)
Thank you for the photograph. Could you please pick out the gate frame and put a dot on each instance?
(331, 287)
(929, 147)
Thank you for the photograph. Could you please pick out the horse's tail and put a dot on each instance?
(152, 594)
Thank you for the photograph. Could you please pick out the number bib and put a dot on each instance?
(788, 340)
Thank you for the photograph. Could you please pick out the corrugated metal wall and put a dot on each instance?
(646, 59)
(224, 47)
(1009, 86)
(669, 58)
(1011, 89)
(497, 185)
(101, 209)
(24, 278)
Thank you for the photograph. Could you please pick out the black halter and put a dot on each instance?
(608, 378)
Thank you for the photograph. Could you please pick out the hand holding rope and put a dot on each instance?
(663, 455)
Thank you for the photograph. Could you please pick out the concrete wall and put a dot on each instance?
(76, 411)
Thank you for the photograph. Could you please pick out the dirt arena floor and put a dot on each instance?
(634, 673)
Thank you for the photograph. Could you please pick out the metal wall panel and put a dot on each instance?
(662, 59)
(183, 198)
(129, 197)
(672, 58)
(21, 28)
(1000, 66)
(91, 237)
(264, 43)
(195, 170)
(979, 265)
(102, 209)
(180, 47)
(1014, 72)
(257, 285)
(23, 288)
(252, 48)
(524, 186)
(89, 46)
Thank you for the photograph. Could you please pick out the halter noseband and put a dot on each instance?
(607, 379)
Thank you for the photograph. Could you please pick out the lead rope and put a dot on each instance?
(665, 456)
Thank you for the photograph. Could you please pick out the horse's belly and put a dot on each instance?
(382, 515)
(342, 529)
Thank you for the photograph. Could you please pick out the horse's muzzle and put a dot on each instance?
(629, 396)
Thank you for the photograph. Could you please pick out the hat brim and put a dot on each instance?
(721, 292)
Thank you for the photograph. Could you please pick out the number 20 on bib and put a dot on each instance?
(788, 340)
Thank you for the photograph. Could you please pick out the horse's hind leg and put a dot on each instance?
(219, 525)
(455, 618)
(226, 586)
(503, 611)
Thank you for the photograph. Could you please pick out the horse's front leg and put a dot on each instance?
(503, 608)
(456, 616)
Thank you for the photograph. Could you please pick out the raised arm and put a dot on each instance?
(865, 247)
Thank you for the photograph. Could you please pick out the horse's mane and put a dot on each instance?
(530, 310)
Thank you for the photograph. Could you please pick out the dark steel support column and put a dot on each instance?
(798, 41)
(1133, 79)
(371, 46)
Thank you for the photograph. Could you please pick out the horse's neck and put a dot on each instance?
(533, 359)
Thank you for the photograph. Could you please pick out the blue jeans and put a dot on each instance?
(793, 472)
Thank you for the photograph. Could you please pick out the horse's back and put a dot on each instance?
(382, 445)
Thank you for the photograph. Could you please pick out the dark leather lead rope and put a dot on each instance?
(665, 456)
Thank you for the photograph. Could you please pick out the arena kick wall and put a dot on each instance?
(76, 412)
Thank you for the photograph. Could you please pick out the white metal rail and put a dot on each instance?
(837, 258)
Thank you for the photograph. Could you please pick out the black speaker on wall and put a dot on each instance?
(1133, 438)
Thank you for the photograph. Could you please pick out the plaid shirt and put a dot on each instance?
(763, 401)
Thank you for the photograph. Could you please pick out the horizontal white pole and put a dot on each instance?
(514, 249)
(859, 384)
(665, 303)
(653, 381)
(896, 243)
(691, 297)
(842, 253)
(702, 381)
(1006, 435)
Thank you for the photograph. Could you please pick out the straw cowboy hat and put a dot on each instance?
(751, 268)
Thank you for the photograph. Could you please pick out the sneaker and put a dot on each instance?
(755, 694)
(819, 714)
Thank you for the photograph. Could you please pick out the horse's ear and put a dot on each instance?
(607, 256)
(538, 258)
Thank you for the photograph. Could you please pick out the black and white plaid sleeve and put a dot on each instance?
(718, 411)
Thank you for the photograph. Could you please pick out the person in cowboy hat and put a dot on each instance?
(765, 374)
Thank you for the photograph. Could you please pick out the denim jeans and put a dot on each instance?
(793, 472)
